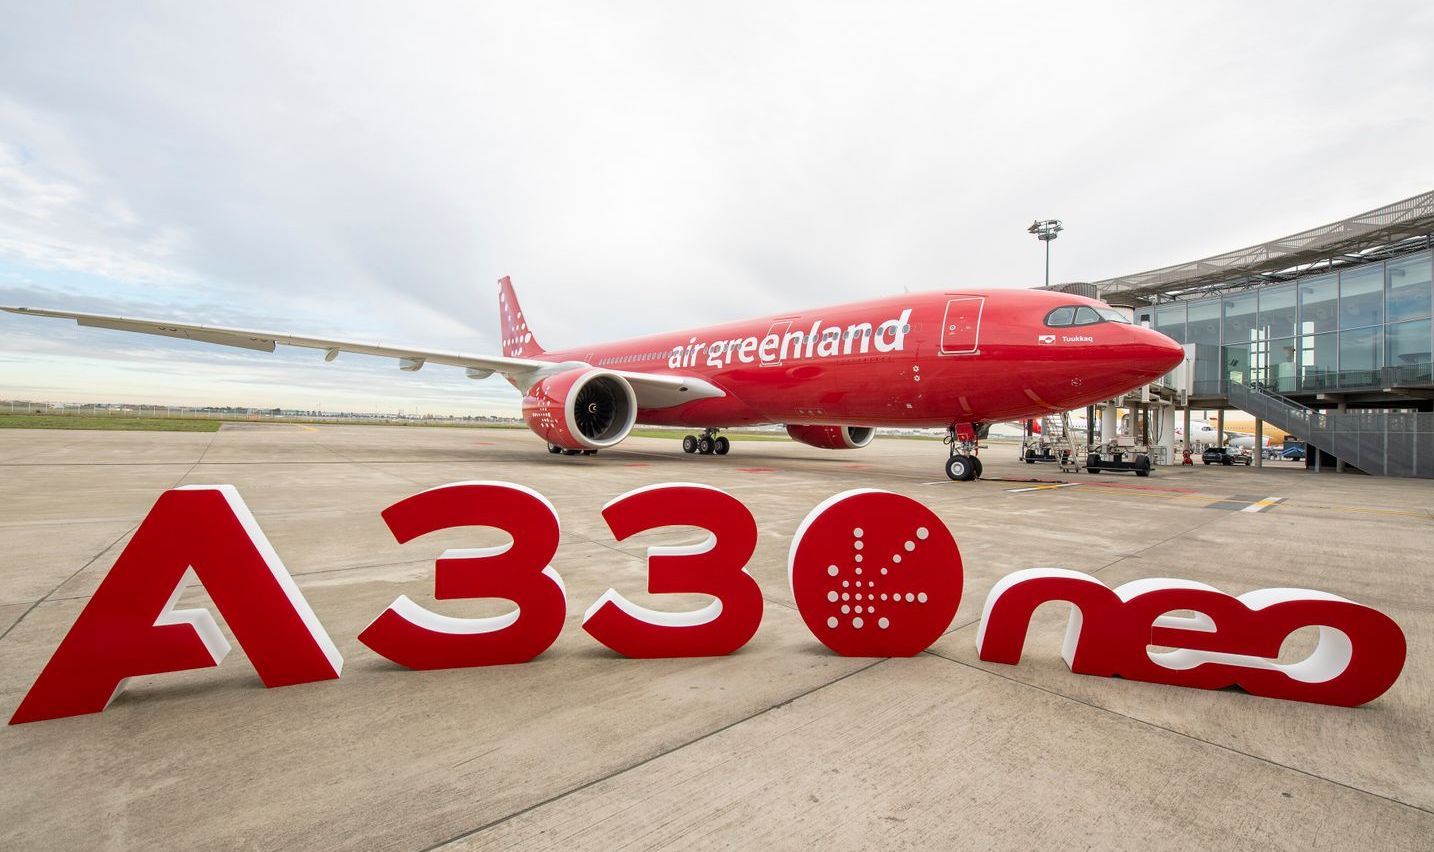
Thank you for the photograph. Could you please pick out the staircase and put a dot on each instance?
(1380, 443)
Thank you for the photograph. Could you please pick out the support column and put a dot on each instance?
(1338, 462)
(1107, 423)
(1259, 442)
(1186, 443)
(1167, 432)
(1220, 427)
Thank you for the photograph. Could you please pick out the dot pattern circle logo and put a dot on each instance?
(875, 574)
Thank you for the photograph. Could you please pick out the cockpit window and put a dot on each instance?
(1083, 315)
(1060, 316)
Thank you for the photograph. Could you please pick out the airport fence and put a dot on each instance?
(236, 415)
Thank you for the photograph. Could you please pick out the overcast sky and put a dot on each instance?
(370, 170)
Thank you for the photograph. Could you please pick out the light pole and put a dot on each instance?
(1045, 231)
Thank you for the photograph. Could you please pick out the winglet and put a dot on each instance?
(516, 336)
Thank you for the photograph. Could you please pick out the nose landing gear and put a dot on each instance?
(962, 465)
(708, 444)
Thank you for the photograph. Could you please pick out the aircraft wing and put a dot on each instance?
(652, 390)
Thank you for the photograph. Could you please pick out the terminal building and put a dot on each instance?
(1326, 334)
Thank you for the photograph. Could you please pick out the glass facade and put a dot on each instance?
(1319, 304)
(1203, 322)
(1408, 293)
(1363, 327)
(1360, 353)
(1239, 325)
(1319, 361)
(1170, 321)
(1408, 353)
(1361, 296)
(1277, 312)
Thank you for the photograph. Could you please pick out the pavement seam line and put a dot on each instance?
(1159, 727)
(641, 763)
(61, 584)
(102, 550)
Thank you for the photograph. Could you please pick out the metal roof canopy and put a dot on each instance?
(1402, 226)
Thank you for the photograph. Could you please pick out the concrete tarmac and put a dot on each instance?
(780, 745)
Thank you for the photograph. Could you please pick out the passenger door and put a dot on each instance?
(961, 327)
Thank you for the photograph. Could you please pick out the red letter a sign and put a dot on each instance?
(130, 627)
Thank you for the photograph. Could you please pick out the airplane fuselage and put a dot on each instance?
(927, 359)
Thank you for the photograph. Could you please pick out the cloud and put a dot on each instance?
(373, 168)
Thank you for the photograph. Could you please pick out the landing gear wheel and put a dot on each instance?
(704, 445)
(572, 452)
(555, 449)
(960, 469)
(589, 452)
(976, 463)
(721, 446)
(689, 444)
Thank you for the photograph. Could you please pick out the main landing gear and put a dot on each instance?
(962, 465)
(709, 442)
(559, 451)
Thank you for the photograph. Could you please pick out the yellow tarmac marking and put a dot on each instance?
(1261, 505)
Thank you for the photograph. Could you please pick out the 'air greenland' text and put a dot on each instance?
(816, 342)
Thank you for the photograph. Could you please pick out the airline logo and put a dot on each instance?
(1046, 338)
(819, 341)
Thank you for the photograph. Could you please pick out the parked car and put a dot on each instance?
(1224, 455)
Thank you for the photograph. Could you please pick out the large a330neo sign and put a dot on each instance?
(873, 574)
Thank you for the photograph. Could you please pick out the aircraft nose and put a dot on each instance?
(1156, 353)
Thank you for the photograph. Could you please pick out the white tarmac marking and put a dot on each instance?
(1043, 487)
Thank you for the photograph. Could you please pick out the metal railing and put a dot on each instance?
(1380, 443)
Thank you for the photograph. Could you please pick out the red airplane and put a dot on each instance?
(958, 359)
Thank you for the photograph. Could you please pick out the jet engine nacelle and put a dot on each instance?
(581, 409)
(833, 437)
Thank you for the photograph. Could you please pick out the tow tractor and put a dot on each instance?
(1121, 454)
